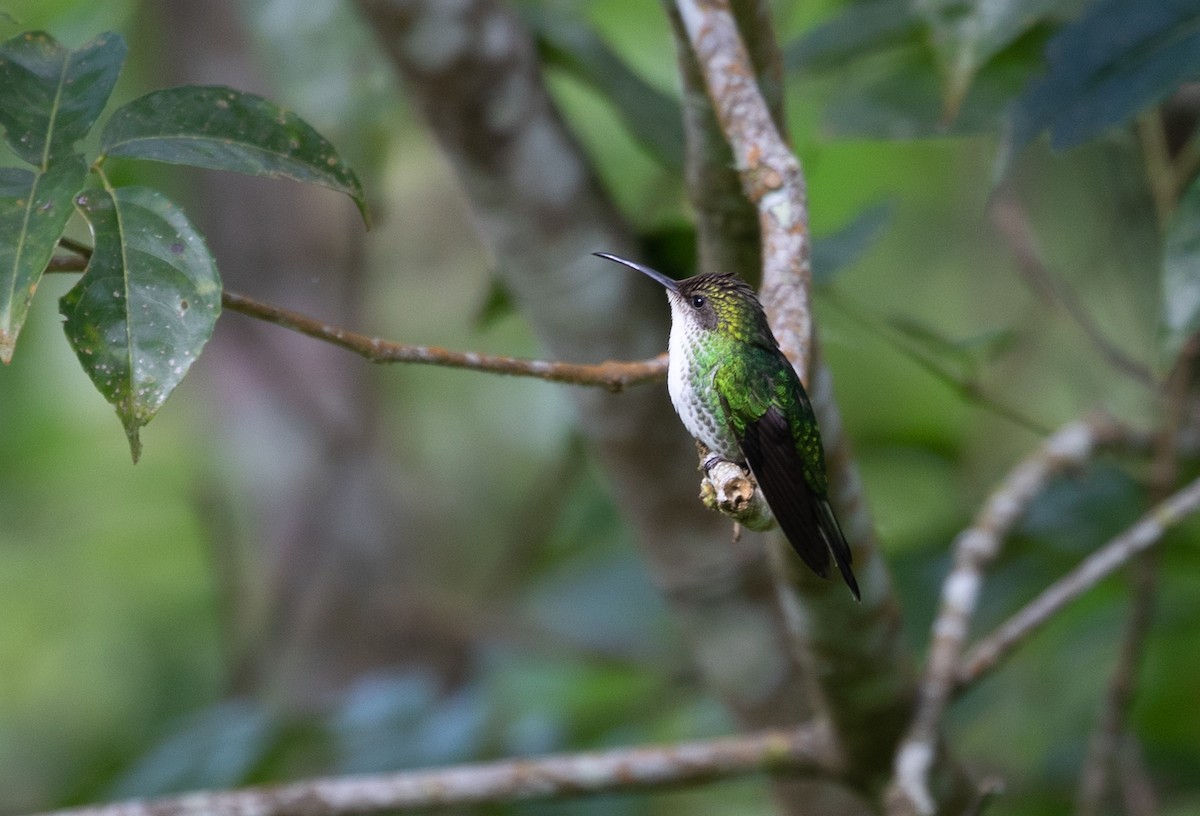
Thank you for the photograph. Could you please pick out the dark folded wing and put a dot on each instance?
(806, 518)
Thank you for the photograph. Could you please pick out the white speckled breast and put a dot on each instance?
(685, 368)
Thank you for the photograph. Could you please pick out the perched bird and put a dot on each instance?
(737, 394)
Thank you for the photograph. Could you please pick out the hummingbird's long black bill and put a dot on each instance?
(670, 283)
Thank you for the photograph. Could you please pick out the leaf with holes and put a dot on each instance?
(52, 96)
(223, 129)
(146, 304)
(34, 209)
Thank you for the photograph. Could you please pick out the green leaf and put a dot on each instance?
(34, 209)
(223, 129)
(146, 304)
(652, 117)
(1181, 274)
(1118, 59)
(53, 96)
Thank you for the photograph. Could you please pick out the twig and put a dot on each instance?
(800, 750)
(1101, 762)
(614, 375)
(990, 650)
(1137, 790)
(1010, 218)
(1110, 732)
(974, 549)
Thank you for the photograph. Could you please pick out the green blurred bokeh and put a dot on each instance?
(114, 647)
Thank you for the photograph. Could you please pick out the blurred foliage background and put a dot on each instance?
(156, 630)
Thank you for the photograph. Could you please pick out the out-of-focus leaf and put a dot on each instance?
(497, 303)
(966, 34)
(1080, 511)
(898, 95)
(34, 209)
(964, 357)
(1119, 58)
(861, 30)
(52, 96)
(223, 129)
(1181, 274)
(218, 747)
(652, 117)
(834, 252)
(146, 304)
(404, 720)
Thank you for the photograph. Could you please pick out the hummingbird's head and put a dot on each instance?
(721, 303)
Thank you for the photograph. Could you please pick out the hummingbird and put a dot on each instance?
(738, 395)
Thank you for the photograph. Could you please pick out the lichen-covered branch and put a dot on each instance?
(799, 751)
(865, 673)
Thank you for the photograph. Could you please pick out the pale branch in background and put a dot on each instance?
(989, 651)
(802, 750)
(974, 549)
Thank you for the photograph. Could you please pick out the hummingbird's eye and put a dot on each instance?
(698, 301)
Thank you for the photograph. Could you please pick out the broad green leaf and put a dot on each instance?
(34, 209)
(834, 252)
(1181, 274)
(966, 34)
(146, 304)
(223, 129)
(52, 96)
(652, 117)
(1120, 58)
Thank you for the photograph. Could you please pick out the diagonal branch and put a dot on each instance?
(974, 549)
(800, 750)
(987, 653)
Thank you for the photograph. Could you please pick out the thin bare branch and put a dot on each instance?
(990, 650)
(800, 750)
(974, 549)
(614, 375)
